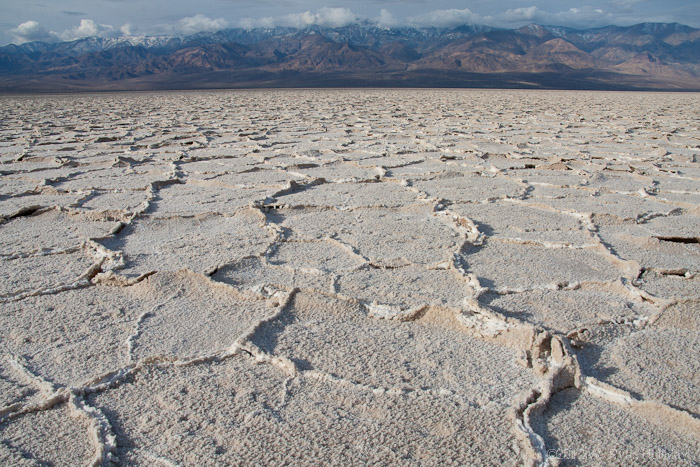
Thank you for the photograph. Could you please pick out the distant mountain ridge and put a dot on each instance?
(642, 56)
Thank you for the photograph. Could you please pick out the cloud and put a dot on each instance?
(127, 29)
(31, 31)
(330, 17)
(583, 17)
(447, 18)
(626, 3)
(517, 15)
(200, 23)
(89, 28)
(386, 19)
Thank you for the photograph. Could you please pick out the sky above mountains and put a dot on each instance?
(52, 21)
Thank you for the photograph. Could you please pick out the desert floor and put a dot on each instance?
(400, 277)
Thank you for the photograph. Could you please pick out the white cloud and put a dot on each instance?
(386, 19)
(89, 28)
(516, 15)
(200, 23)
(447, 18)
(31, 31)
(583, 17)
(625, 4)
(330, 17)
(578, 17)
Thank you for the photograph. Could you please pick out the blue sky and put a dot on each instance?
(48, 20)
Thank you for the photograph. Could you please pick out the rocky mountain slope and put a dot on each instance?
(648, 55)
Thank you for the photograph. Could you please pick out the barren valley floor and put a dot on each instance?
(402, 277)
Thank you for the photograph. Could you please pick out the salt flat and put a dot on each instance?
(411, 277)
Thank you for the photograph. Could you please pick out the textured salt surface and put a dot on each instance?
(350, 277)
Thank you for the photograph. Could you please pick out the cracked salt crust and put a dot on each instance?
(198, 243)
(201, 197)
(581, 428)
(561, 310)
(258, 275)
(349, 196)
(414, 277)
(28, 234)
(406, 287)
(675, 382)
(642, 244)
(21, 277)
(503, 265)
(178, 324)
(471, 188)
(51, 434)
(337, 338)
(679, 284)
(385, 237)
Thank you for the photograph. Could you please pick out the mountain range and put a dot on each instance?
(657, 56)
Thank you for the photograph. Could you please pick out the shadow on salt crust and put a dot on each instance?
(14, 388)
